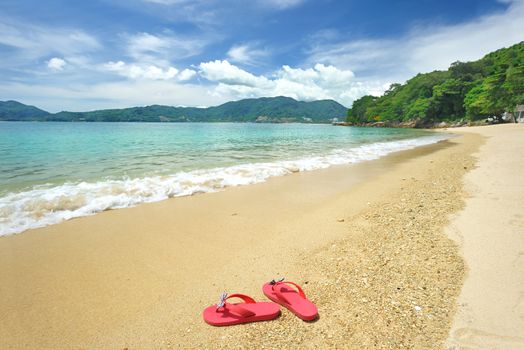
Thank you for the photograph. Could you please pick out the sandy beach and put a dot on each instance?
(490, 233)
(382, 247)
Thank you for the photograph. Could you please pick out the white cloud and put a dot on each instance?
(335, 68)
(424, 49)
(134, 71)
(186, 74)
(205, 14)
(325, 76)
(225, 72)
(239, 53)
(282, 4)
(56, 64)
(147, 71)
(126, 93)
(247, 54)
(151, 56)
(145, 42)
(148, 48)
(35, 41)
(318, 82)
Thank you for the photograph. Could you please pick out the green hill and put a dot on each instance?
(266, 109)
(467, 91)
(12, 110)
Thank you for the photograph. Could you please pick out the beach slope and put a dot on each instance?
(366, 241)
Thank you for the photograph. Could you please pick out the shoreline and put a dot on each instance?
(43, 205)
(140, 277)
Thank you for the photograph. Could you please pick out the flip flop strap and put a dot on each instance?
(247, 300)
(236, 309)
(281, 295)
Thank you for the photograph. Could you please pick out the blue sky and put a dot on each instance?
(84, 55)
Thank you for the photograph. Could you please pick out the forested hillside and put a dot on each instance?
(467, 90)
(266, 109)
(13, 110)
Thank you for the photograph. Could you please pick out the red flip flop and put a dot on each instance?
(227, 314)
(291, 298)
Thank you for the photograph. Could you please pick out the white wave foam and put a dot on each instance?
(43, 206)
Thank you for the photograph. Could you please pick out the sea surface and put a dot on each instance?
(50, 172)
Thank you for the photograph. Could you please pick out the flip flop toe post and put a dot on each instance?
(227, 314)
(292, 297)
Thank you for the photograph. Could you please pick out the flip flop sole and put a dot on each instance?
(264, 311)
(302, 308)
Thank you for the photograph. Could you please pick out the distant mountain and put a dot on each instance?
(16, 111)
(264, 110)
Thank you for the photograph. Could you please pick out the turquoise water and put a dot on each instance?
(54, 171)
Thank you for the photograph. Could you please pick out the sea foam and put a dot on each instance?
(46, 205)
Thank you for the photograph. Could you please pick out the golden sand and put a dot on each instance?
(392, 282)
(365, 241)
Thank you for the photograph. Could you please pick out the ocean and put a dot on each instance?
(50, 172)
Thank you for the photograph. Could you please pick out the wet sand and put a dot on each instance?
(366, 241)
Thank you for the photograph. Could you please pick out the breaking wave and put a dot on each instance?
(46, 205)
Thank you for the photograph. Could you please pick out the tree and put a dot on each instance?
(485, 99)
(357, 113)
(514, 87)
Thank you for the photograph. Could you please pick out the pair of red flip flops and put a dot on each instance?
(287, 294)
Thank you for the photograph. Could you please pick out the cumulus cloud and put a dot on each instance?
(151, 56)
(148, 71)
(186, 74)
(56, 64)
(319, 82)
(224, 72)
(320, 74)
(134, 71)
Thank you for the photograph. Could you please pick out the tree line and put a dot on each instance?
(466, 91)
